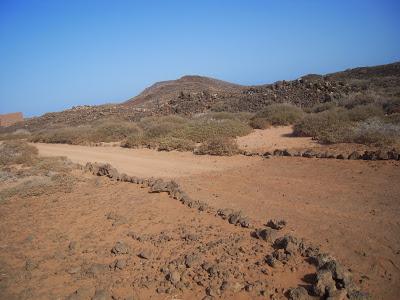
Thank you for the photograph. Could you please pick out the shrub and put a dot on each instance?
(360, 98)
(259, 123)
(363, 112)
(202, 130)
(218, 146)
(312, 124)
(320, 107)
(113, 131)
(17, 152)
(280, 114)
(392, 106)
(376, 132)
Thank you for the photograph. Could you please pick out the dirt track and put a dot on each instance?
(350, 208)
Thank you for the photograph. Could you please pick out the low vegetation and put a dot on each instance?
(277, 114)
(27, 174)
(352, 120)
(218, 146)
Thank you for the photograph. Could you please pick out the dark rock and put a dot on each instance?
(266, 234)
(276, 224)
(299, 293)
(287, 242)
(271, 261)
(324, 285)
(340, 156)
(309, 154)
(354, 156)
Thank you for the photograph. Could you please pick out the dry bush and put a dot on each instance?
(17, 152)
(223, 115)
(259, 123)
(104, 131)
(392, 106)
(364, 112)
(376, 132)
(320, 107)
(359, 98)
(200, 131)
(280, 114)
(218, 146)
(40, 185)
(18, 134)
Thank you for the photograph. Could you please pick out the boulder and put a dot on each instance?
(266, 234)
(354, 156)
(299, 293)
(276, 224)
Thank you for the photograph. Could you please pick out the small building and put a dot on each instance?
(11, 119)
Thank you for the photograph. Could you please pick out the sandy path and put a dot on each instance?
(273, 138)
(145, 162)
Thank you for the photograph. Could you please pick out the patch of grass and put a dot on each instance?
(17, 152)
(218, 146)
(171, 143)
(279, 114)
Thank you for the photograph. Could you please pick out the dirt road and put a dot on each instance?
(145, 162)
(349, 208)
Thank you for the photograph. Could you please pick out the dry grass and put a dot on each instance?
(17, 152)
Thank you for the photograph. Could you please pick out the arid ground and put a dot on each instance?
(66, 244)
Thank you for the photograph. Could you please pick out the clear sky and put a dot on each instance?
(55, 54)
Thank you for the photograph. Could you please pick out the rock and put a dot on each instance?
(191, 260)
(287, 242)
(299, 293)
(174, 277)
(73, 246)
(340, 156)
(324, 285)
(95, 269)
(234, 218)
(224, 213)
(120, 248)
(101, 295)
(354, 156)
(381, 155)
(266, 234)
(393, 154)
(120, 264)
(146, 254)
(271, 261)
(358, 295)
(244, 222)
(309, 154)
(74, 270)
(276, 224)
(278, 152)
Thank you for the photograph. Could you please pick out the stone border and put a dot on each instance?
(331, 280)
(355, 155)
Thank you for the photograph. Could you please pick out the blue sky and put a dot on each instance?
(55, 54)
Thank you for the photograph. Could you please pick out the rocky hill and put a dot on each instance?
(195, 94)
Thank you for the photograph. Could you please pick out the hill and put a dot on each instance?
(190, 95)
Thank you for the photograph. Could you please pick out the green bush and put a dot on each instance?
(280, 114)
(218, 146)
